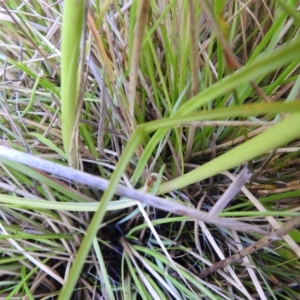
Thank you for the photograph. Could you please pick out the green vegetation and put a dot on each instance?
(169, 98)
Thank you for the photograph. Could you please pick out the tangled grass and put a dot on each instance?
(124, 126)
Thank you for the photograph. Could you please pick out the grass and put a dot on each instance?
(140, 115)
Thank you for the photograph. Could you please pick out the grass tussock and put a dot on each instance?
(126, 128)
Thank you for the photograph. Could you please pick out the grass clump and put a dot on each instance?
(155, 107)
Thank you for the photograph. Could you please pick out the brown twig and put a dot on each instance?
(266, 240)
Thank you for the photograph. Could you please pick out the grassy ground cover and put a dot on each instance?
(149, 149)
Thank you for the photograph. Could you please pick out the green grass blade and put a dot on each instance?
(70, 50)
(287, 130)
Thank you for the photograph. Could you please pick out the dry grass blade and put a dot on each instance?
(101, 184)
(220, 254)
(34, 260)
(231, 192)
(102, 53)
(265, 241)
(250, 269)
(142, 21)
(195, 69)
(274, 223)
